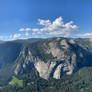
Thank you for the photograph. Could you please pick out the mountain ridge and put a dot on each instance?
(49, 52)
(48, 59)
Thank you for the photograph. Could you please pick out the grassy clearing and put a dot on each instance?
(16, 81)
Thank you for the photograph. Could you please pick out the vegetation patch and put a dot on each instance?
(16, 81)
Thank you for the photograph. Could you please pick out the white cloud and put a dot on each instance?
(6, 37)
(27, 29)
(3, 37)
(16, 36)
(85, 35)
(57, 27)
(44, 22)
(46, 28)
(21, 29)
(24, 29)
(35, 30)
(27, 34)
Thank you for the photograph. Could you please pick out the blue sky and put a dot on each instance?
(24, 14)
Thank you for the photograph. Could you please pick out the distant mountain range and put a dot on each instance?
(62, 61)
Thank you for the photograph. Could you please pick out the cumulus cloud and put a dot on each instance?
(44, 22)
(35, 30)
(57, 27)
(27, 34)
(26, 30)
(85, 35)
(16, 36)
(46, 28)
(21, 29)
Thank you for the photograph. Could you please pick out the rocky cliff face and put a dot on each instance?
(55, 57)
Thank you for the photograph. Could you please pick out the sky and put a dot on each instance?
(21, 19)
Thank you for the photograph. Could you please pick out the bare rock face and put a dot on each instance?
(55, 57)
(49, 69)
(17, 69)
(44, 69)
(72, 41)
(57, 68)
(64, 44)
(90, 39)
(54, 50)
(57, 72)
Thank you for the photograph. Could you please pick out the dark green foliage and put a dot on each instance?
(81, 81)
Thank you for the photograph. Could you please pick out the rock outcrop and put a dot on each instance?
(55, 57)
